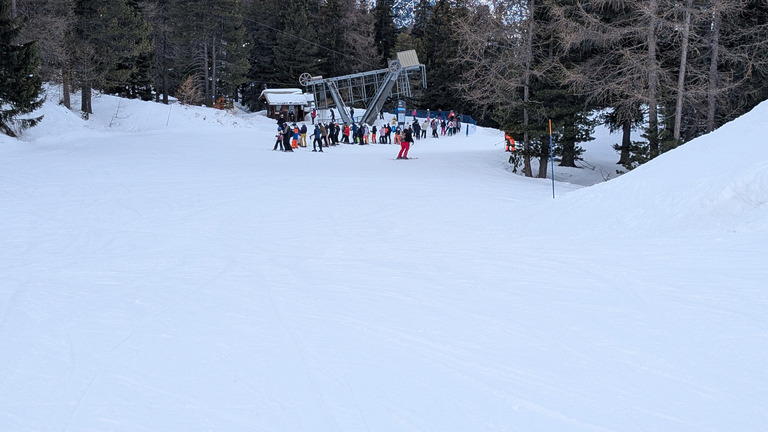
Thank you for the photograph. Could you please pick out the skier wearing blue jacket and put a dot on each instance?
(318, 139)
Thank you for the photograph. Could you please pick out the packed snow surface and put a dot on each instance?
(162, 269)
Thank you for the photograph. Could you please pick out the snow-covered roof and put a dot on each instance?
(286, 97)
(281, 90)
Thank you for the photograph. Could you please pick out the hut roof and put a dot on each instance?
(286, 97)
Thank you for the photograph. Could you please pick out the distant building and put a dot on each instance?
(282, 101)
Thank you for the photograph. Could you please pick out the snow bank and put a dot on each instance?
(718, 182)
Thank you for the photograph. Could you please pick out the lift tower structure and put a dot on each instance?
(371, 89)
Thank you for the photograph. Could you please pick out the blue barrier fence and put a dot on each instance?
(422, 114)
(467, 122)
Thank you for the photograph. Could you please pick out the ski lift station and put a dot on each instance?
(282, 101)
(371, 89)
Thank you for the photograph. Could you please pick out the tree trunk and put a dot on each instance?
(626, 142)
(206, 73)
(713, 61)
(681, 73)
(85, 101)
(164, 64)
(653, 81)
(66, 88)
(544, 158)
(545, 145)
(527, 170)
(543, 161)
(568, 158)
(165, 87)
(213, 69)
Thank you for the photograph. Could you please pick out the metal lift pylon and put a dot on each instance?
(371, 89)
(385, 89)
(334, 90)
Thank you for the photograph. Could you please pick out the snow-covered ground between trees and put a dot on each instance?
(162, 269)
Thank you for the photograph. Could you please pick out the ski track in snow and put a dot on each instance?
(186, 277)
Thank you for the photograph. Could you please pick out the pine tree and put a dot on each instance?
(755, 43)
(107, 39)
(385, 32)
(570, 118)
(404, 42)
(262, 31)
(332, 30)
(47, 21)
(157, 16)
(210, 39)
(362, 54)
(295, 49)
(734, 46)
(233, 61)
(421, 14)
(616, 44)
(20, 81)
(440, 42)
(513, 70)
(568, 111)
(284, 43)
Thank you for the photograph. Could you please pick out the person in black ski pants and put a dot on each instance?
(287, 134)
(334, 133)
(318, 139)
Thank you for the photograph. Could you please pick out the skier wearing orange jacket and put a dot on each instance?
(510, 143)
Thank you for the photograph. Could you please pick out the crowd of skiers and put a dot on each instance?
(291, 136)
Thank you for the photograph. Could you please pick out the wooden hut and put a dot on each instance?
(282, 101)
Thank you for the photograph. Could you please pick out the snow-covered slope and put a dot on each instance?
(712, 183)
(163, 269)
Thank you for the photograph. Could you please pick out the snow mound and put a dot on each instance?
(719, 180)
(115, 114)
